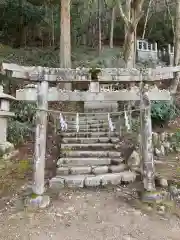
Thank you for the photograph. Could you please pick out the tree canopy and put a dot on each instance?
(37, 22)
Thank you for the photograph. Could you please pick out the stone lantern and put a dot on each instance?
(4, 114)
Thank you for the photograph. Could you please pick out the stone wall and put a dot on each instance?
(164, 143)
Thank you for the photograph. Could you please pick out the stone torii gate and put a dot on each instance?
(42, 94)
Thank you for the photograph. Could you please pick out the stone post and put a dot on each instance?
(94, 87)
(146, 144)
(4, 114)
(90, 106)
(40, 141)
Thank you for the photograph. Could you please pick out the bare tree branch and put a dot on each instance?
(138, 19)
(127, 22)
(170, 16)
(146, 19)
(175, 81)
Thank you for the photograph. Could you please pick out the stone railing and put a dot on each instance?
(147, 51)
(164, 143)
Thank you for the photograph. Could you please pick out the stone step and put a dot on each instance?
(88, 125)
(87, 121)
(90, 117)
(72, 146)
(80, 181)
(76, 153)
(90, 134)
(89, 130)
(90, 140)
(73, 161)
(96, 170)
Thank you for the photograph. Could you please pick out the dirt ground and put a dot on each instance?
(86, 215)
(80, 215)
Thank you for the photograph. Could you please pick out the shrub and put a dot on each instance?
(18, 132)
(162, 112)
(20, 128)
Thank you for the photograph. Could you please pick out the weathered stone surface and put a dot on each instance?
(162, 150)
(6, 147)
(174, 192)
(155, 138)
(90, 140)
(37, 202)
(80, 170)
(99, 169)
(63, 171)
(162, 182)
(157, 152)
(163, 136)
(80, 181)
(57, 183)
(177, 148)
(96, 129)
(89, 126)
(151, 197)
(161, 209)
(93, 181)
(10, 155)
(83, 161)
(134, 160)
(139, 138)
(167, 146)
(86, 145)
(83, 96)
(111, 178)
(117, 168)
(74, 180)
(92, 154)
(90, 134)
(171, 149)
(128, 176)
(129, 238)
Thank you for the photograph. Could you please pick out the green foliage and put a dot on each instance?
(162, 112)
(34, 22)
(24, 112)
(18, 132)
(20, 128)
(18, 15)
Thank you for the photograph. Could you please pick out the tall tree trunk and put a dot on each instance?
(111, 44)
(20, 28)
(176, 47)
(100, 25)
(65, 38)
(146, 19)
(170, 16)
(129, 14)
(131, 19)
(52, 26)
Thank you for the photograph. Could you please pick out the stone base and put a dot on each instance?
(154, 196)
(6, 148)
(37, 202)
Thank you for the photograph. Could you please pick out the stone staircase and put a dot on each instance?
(90, 158)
